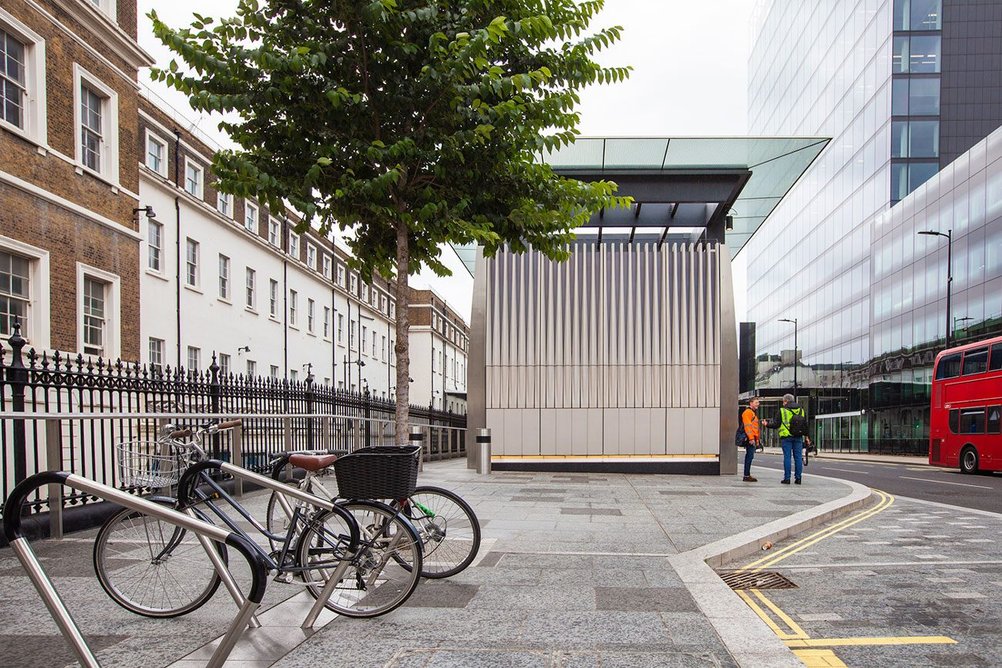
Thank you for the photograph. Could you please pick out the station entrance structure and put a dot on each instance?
(624, 357)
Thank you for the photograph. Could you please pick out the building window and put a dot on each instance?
(365, 292)
(327, 322)
(194, 358)
(273, 372)
(273, 232)
(157, 347)
(354, 284)
(22, 79)
(15, 293)
(193, 178)
(156, 154)
(327, 267)
(292, 307)
(94, 316)
(154, 245)
(224, 365)
(224, 204)
(340, 328)
(310, 312)
(91, 127)
(382, 349)
(311, 256)
(365, 337)
(918, 15)
(382, 304)
(191, 263)
(374, 339)
(393, 310)
(294, 245)
(351, 334)
(251, 296)
(340, 275)
(273, 298)
(224, 277)
(250, 217)
(293, 375)
(251, 369)
(13, 80)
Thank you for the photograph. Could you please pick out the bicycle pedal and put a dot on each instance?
(284, 578)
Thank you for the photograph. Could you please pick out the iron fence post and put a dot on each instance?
(54, 462)
(17, 378)
(368, 414)
(309, 410)
(215, 392)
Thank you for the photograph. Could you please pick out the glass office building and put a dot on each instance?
(906, 88)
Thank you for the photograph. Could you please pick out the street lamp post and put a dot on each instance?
(949, 274)
(796, 362)
(957, 320)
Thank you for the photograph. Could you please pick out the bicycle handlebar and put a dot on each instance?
(229, 424)
(180, 433)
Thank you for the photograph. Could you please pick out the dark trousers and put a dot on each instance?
(749, 456)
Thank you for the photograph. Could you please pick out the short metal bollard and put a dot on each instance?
(417, 438)
(484, 450)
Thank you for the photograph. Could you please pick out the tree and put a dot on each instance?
(406, 123)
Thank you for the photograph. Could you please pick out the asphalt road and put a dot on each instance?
(981, 492)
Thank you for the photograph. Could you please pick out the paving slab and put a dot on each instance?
(574, 570)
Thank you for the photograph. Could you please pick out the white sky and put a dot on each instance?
(689, 79)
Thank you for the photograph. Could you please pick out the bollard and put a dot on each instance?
(484, 450)
(417, 438)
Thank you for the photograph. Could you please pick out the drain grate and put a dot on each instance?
(756, 580)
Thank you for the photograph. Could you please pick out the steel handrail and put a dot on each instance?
(47, 591)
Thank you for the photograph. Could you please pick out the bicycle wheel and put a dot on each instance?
(380, 575)
(153, 568)
(448, 527)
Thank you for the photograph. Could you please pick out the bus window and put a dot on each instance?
(996, 363)
(994, 423)
(949, 366)
(954, 422)
(972, 421)
(976, 361)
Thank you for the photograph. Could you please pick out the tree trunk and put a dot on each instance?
(402, 347)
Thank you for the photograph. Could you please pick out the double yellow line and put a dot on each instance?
(793, 635)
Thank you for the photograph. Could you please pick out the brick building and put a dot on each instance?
(440, 344)
(69, 180)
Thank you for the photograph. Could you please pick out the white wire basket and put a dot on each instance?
(149, 464)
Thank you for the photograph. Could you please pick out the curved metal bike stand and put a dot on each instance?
(47, 591)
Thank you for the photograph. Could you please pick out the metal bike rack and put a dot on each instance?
(47, 591)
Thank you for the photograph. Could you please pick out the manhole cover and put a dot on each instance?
(756, 580)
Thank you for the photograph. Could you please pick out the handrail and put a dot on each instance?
(42, 415)
(47, 591)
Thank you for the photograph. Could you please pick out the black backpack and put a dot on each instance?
(740, 437)
(798, 424)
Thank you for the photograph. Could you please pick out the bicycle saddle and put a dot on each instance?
(312, 462)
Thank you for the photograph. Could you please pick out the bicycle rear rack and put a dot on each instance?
(47, 591)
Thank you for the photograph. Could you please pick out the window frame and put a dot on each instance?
(161, 353)
(112, 343)
(248, 207)
(192, 268)
(311, 256)
(190, 162)
(250, 289)
(35, 108)
(274, 232)
(225, 270)
(273, 299)
(152, 224)
(293, 245)
(108, 160)
(326, 264)
(152, 137)
(197, 366)
(228, 198)
(311, 312)
(293, 308)
(37, 328)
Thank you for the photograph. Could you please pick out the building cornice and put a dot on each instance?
(110, 32)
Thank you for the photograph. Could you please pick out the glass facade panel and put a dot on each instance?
(899, 97)
(920, 172)
(899, 139)
(925, 14)
(900, 54)
(924, 54)
(923, 139)
(923, 97)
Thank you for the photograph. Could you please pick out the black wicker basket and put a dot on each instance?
(383, 472)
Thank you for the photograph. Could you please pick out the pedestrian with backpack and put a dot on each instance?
(749, 435)
(792, 425)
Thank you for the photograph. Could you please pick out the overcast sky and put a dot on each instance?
(690, 78)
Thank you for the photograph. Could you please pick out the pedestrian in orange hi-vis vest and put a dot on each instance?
(750, 422)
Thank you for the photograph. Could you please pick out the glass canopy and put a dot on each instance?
(775, 163)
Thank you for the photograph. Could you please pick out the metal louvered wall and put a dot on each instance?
(615, 352)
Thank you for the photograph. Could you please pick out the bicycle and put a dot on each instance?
(371, 552)
(448, 527)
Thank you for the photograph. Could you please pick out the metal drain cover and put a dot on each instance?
(756, 580)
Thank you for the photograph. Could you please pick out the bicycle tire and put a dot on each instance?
(448, 527)
(153, 568)
(375, 581)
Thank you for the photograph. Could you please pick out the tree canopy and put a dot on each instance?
(407, 123)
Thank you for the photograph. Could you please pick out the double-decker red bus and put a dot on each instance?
(965, 428)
